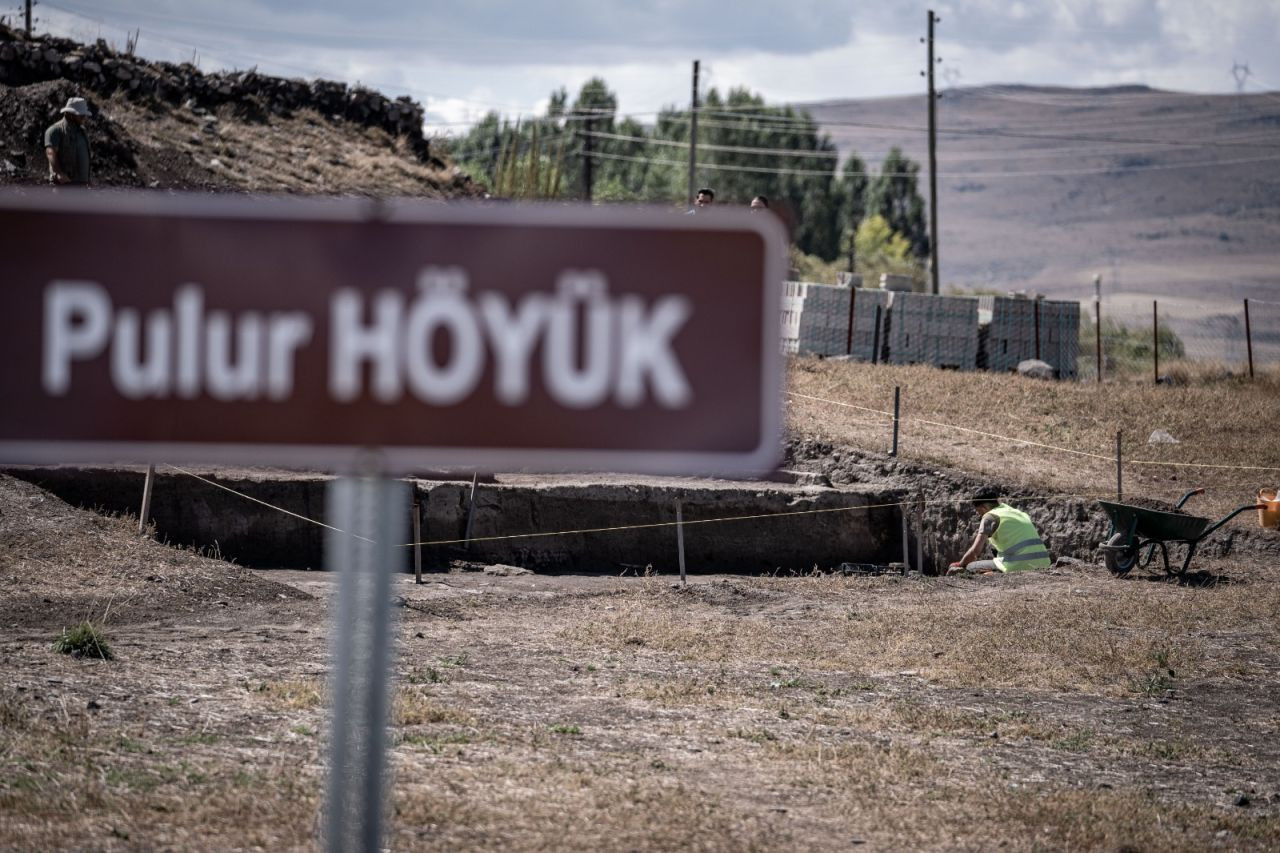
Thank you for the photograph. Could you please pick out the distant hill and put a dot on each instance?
(1166, 195)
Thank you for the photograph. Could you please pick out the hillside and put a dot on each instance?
(1167, 195)
(166, 126)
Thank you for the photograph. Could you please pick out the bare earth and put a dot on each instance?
(1063, 710)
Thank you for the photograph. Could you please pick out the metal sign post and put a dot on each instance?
(369, 513)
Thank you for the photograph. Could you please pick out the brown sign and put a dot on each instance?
(298, 332)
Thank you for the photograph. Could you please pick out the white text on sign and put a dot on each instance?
(595, 348)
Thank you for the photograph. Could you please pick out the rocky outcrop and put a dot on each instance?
(99, 69)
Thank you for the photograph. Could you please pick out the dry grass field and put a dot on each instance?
(1060, 710)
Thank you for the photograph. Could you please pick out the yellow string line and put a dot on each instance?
(1045, 446)
(1201, 465)
(648, 525)
(264, 503)
(718, 520)
(962, 429)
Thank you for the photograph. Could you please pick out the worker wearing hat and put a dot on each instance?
(1010, 532)
(66, 145)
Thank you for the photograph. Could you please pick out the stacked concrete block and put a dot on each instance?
(824, 322)
(1033, 328)
(937, 330)
(1060, 337)
(816, 319)
(865, 337)
(792, 307)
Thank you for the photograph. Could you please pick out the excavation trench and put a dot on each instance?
(591, 523)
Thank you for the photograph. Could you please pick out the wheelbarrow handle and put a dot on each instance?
(1189, 494)
(1245, 508)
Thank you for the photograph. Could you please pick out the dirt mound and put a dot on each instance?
(162, 126)
(60, 566)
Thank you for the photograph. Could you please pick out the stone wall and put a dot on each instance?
(98, 69)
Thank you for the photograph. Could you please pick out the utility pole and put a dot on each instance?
(1241, 73)
(586, 160)
(693, 137)
(27, 7)
(933, 164)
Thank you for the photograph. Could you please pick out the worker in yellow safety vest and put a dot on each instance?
(1016, 541)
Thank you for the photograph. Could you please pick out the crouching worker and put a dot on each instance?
(1016, 541)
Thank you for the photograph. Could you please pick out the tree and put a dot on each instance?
(879, 248)
(852, 192)
(893, 195)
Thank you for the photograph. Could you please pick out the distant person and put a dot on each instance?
(705, 197)
(1010, 532)
(759, 203)
(66, 145)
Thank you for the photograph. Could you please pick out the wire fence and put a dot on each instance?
(1133, 339)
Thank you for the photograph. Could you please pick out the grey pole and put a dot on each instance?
(471, 513)
(145, 512)
(906, 549)
(933, 164)
(680, 538)
(417, 542)
(1119, 470)
(369, 513)
(693, 137)
(920, 534)
(897, 398)
(1248, 337)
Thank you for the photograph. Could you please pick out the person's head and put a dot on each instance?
(759, 203)
(704, 197)
(76, 110)
(985, 500)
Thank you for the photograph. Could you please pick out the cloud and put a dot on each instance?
(461, 59)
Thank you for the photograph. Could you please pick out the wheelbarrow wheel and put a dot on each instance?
(1119, 559)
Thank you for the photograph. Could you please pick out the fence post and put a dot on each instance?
(680, 538)
(920, 534)
(1248, 337)
(1119, 470)
(1097, 335)
(146, 499)
(417, 539)
(897, 397)
(1036, 311)
(1155, 340)
(906, 550)
(471, 513)
(848, 344)
(875, 341)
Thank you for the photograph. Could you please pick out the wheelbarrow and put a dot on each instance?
(1134, 528)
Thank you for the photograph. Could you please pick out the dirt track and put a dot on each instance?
(1060, 710)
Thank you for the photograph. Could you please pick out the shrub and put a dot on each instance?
(83, 641)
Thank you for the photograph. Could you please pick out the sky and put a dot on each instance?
(462, 59)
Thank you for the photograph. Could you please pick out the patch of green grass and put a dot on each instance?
(199, 739)
(452, 661)
(1077, 741)
(85, 640)
(565, 729)
(430, 675)
(305, 731)
(754, 735)
(436, 743)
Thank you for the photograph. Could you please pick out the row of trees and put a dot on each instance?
(745, 148)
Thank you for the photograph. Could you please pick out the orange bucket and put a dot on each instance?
(1270, 516)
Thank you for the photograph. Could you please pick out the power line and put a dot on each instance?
(951, 176)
